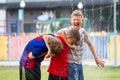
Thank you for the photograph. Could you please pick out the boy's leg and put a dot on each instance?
(74, 72)
(32, 74)
(22, 73)
(81, 75)
(52, 77)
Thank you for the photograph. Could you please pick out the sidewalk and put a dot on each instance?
(46, 63)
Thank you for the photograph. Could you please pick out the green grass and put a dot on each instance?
(90, 73)
(106, 73)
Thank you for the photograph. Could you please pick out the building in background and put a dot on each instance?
(39, 13)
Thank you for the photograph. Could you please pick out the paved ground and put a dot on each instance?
(46, 63)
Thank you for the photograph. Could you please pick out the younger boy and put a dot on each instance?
(34, 53)
(58, 64)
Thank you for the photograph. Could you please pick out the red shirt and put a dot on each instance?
(58, 64)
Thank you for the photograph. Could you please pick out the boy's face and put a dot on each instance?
(76, 21)
(70, 40)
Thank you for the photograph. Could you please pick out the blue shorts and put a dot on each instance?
(75, 72)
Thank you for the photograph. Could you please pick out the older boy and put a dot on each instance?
(75, 71)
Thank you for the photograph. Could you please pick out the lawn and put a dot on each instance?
(90, 73)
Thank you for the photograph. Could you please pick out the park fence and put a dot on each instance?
(11, 47)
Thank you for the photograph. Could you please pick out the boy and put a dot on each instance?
(75, 71)
(35, 52)
(58, 64)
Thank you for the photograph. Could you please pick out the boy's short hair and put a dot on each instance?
(74, 34)
(77, 13)
(55, 45)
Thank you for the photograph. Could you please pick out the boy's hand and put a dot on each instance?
(99, 62)
(49, 54)
(73, 47)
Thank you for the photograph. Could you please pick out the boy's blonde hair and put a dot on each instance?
(77, 13)
(55, 45)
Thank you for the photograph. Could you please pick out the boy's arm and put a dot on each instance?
(98, 61)
(33, 57)
(45, 37)
(63, 34)
(49, 53)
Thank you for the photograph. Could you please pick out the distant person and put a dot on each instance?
(59, 63)
(33, 54)
(75, 69)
